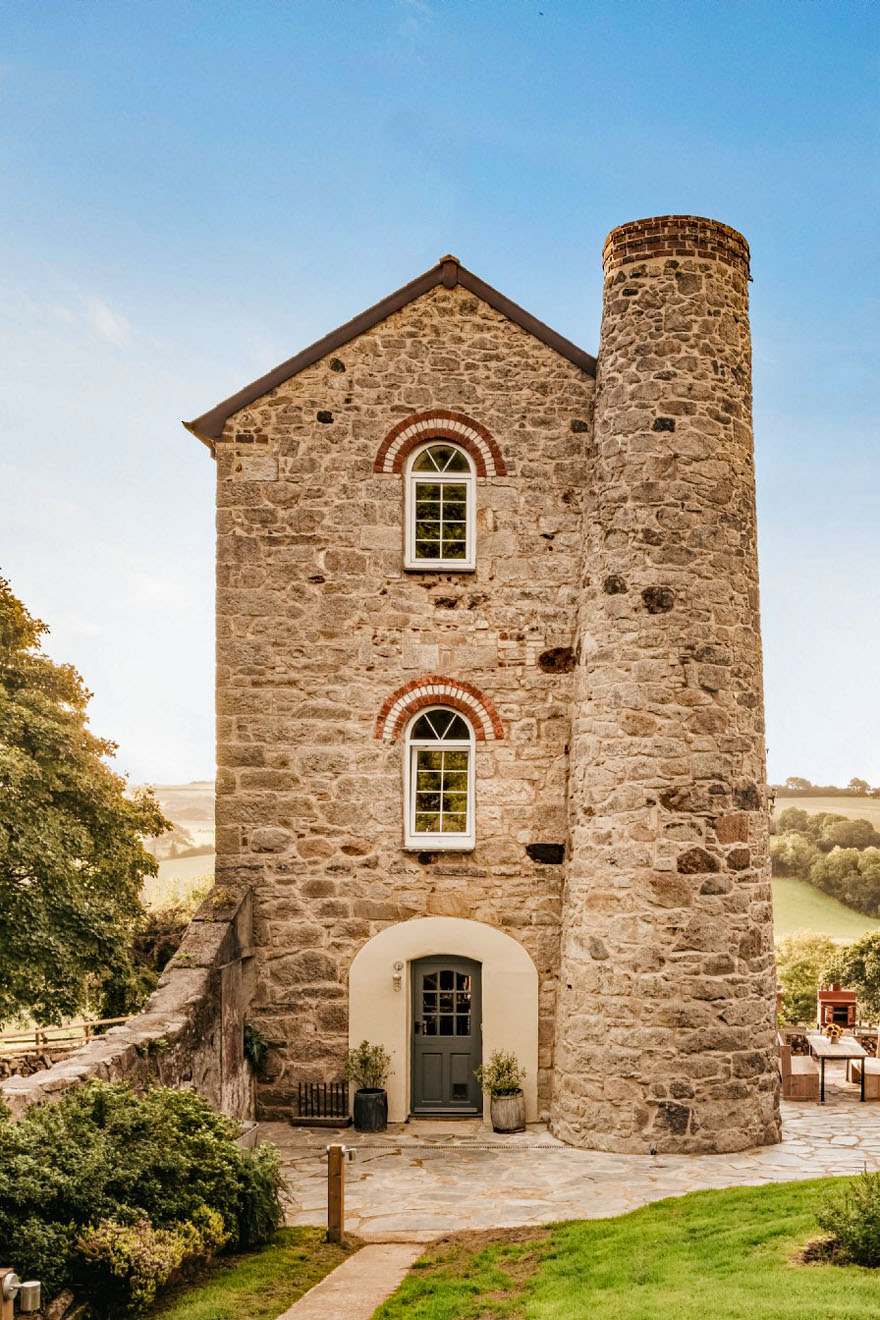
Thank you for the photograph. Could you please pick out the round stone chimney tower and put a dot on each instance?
(666, 1031)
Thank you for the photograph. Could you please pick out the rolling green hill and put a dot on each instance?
(798, 906)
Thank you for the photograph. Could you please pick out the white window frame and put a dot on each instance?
(459, 842)
(467, 479)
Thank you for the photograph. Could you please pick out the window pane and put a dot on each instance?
(431, 781)
(457, 731)
(446, 982)
(454, 781)
(430, 490)
(431, 981)
(454, 802)
(428, 758)
(446, 1026)
(462, 981)
(425, 462)
(454, 824)
(428, 550)
(430, 1026)
(455, 760)
(426, 823)
(429, 802)
(462, 1024)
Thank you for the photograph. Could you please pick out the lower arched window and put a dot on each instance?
(439, 780)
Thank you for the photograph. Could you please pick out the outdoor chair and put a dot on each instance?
(872, 1076)
(800, 1074)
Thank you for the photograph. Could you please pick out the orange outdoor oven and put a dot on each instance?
(836, 1005)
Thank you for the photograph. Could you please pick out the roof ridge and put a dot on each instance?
(449, 272)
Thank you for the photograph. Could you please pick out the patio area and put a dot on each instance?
(424, 1178)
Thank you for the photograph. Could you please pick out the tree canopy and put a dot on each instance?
(857, 967)
(72, 858)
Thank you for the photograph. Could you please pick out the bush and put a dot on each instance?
(157, 1165)
(368, 1065)
(853, 1220)
(502, 1075)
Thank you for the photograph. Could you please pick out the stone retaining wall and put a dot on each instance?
(190, 1032)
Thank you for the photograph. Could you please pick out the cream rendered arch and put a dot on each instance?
(382, 1014)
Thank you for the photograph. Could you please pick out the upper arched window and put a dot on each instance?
(440, 507)
(439, 780)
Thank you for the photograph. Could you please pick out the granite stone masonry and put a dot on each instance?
(668, 1038)
(604, 652)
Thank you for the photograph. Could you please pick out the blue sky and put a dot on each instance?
(190, 192)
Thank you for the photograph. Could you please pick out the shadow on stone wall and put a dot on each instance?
(190, 1033)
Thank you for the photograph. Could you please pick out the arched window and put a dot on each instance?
(440, 507)
(439, 780)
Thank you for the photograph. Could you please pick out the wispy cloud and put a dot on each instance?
(110, 325)
(417, 15)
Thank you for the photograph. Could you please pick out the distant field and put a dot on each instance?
(175, 880)
(854, 808)
(798, 906)
(191, 806)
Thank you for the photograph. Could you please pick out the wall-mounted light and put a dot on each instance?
(397, 977)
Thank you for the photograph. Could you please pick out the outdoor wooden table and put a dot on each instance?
(845, 1048)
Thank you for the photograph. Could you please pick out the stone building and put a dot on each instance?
(489, 700)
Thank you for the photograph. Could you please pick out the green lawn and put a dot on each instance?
(798, 906)
(708, 1256)
(259, 1284)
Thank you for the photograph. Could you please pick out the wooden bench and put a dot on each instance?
(872, 1076)
(800, 1074)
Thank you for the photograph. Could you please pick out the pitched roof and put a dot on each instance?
(448, 272)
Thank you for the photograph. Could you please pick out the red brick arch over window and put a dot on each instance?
(434, 690)
(440, 424)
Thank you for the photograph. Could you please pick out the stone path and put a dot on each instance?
(357, 1286)
(421, 1179)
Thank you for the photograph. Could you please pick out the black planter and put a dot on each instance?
(371, 1109)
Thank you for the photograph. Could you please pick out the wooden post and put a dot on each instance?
(335, 1193)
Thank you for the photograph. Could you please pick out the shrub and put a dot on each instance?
(853, 1220)
(256, 1048)
(102, 1155)
(368, 1065)
(502, 1075)
(800, 961)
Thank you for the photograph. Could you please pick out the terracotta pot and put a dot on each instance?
(371, 1109)
(508, 1112)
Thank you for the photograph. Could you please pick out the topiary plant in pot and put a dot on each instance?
(370, 1067)
(502, 1077)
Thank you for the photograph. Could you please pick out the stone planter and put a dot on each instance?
(508, 1112)
(371, 1109)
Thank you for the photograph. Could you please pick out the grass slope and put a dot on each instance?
(259, 1284)
(798, 906)
(708, 1256)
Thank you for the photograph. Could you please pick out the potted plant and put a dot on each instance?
(502, 1078)
(369, 1066)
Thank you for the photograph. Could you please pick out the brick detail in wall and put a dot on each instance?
(434, 690)
(438, 424)
(675, 236)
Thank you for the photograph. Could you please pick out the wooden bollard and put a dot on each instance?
(335, 1193)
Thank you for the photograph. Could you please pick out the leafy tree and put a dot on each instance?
(797, 784)
(793, 818)
(800, 961)
(71, 853)
(859, 786)
(857, 967)
(792, 854)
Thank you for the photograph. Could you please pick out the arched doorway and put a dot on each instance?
(381, 997)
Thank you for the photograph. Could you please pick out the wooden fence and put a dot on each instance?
(14, 1044)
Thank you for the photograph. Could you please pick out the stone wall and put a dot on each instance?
(666, 1031)
(318, 623)
(190, 1032)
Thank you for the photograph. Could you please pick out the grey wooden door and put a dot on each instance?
(447, 1036)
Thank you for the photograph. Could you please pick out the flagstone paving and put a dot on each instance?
(424, 1178)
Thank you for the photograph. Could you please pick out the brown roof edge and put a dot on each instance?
(449, 272)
